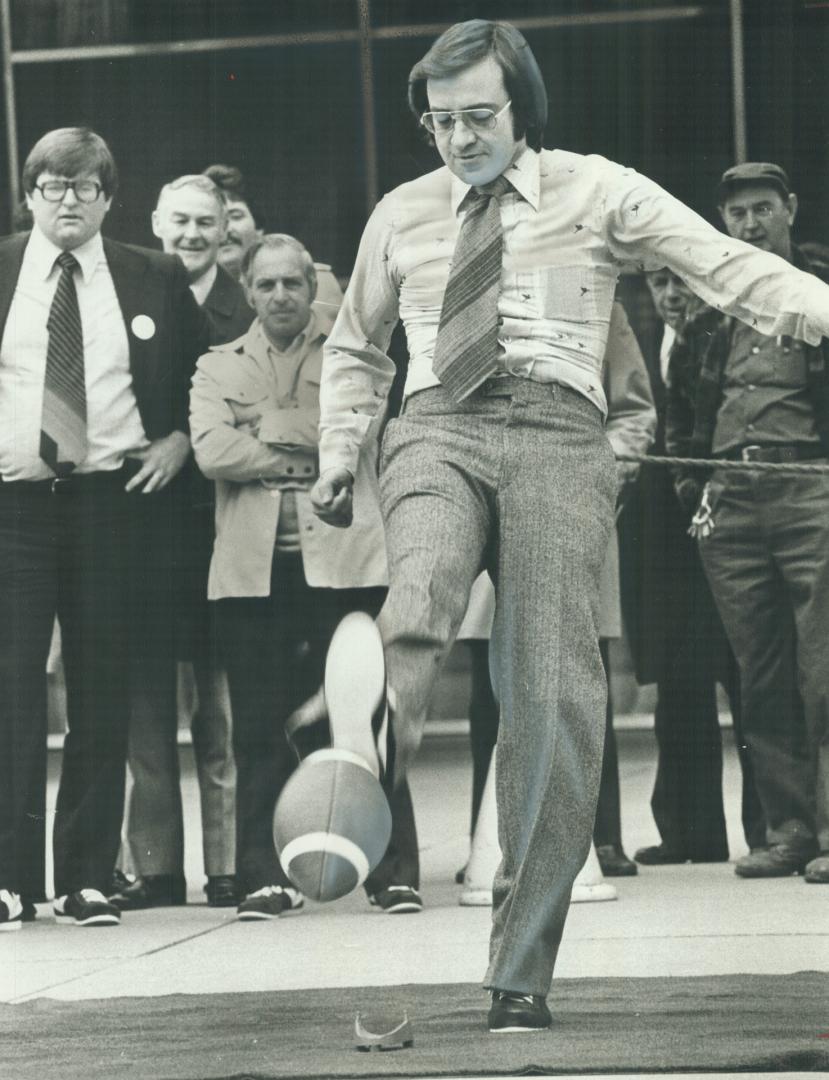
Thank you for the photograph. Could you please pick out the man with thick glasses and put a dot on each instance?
(97, 344)
(502, 266)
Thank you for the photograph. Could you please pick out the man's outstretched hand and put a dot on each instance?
(331, 497)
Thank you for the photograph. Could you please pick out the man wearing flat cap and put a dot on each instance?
(764, 535)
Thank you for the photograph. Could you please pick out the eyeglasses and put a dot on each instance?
(86, 191)
(441, 122)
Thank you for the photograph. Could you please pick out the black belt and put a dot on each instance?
(783, 453)
(73, 484)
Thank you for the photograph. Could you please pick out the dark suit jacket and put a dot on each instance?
(150, 284)
(227, 310)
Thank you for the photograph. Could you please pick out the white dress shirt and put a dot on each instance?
(114, 425)
(200, 288)
(569, 223)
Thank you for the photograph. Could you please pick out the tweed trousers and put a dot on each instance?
(519, 478)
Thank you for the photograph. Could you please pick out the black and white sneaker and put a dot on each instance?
(269, 902)
(11, 910)
(87, 907)
(513, 1012)
(397, 900)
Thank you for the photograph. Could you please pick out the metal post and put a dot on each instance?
(9, 104)
(369, 124)
(738, 81)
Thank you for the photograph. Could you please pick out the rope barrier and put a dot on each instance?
(808, 468)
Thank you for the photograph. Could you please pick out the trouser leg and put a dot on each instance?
(607, 828)
(155, 823)
(756, 614)
(93, 613)
(215, 768)
(555, 513)
(484, 716)
(801, 547)
(28, 597)
(260, 655)
(751, 809)
(437, 519)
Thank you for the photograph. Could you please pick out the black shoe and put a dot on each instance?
(518, 1012)
(659, 855)
(778, 860)
(460, 875)
(221, 891)
(816, 872)
(397, 900)
(87, 907)
(614, 862)
(153, 890)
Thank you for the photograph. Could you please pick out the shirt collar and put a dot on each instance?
(305, 337)
(200, 288)
(43, 253)
(524, 175)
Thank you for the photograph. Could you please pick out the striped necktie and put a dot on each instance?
(63, 442)
(466, 349)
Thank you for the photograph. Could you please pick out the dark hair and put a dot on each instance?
(278, 241)
(69, 152)
(467, 43)
(231, 181)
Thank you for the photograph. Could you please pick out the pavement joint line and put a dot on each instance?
(113, 962)
(184, 940)
(42, 991)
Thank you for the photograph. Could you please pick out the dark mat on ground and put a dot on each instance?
(753, 1023)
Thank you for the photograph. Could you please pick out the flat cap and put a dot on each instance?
(753, 172)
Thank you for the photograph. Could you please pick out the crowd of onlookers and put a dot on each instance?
(158, 506)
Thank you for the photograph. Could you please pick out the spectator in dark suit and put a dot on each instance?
(98, 341)
(190, 219)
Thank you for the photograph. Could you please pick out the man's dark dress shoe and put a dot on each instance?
(153, 890)
(816, 873)
(778, 860)
(518, 1012)
(614, 862)
(221, 891)
(659, 855)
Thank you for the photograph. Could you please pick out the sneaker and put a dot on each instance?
(11, 910)
(269, 902)
(87, 907)
(397, 900)
(518, 1012)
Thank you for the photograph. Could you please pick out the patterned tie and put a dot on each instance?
(63, 422)
(466, 350)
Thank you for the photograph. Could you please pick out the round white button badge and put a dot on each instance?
(143, 327)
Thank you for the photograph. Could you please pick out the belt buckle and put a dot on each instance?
(747, 452)
(57, 483)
